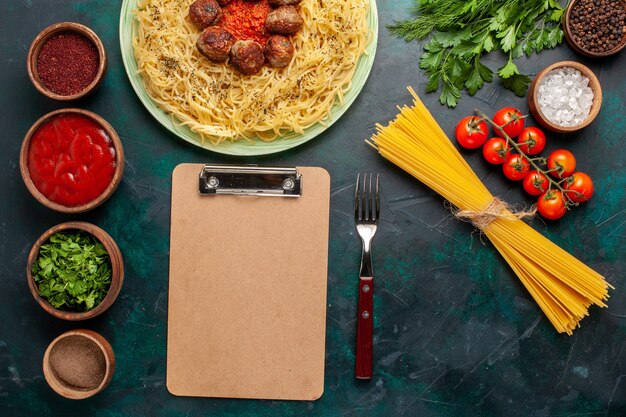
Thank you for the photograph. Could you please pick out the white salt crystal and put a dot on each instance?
(565, 97)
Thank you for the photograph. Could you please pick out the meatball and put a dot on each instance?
(277, 3)
(247, 57)
(284, 20)
(278, 51)
(205, 13)
(215, 43)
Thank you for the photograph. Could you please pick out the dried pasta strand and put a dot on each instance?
(563, 287)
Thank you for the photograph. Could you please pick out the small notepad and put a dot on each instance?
(247, 290)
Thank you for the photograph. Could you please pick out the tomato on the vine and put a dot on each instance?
(579, 187)
(515, 167)
(551, 205)
(535, 183)
(531, 141)
(495, 150)
(561, 163)
(512, 118)
(471, 132)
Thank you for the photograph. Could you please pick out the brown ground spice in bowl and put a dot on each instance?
(78, 362)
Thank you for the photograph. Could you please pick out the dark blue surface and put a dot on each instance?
(456, 334)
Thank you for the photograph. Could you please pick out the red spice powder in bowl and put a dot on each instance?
(66, 61)
(71, 160)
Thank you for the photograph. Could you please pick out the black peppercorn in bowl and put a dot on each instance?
(66, 61)
(596, 28)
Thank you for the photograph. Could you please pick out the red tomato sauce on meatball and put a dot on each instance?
(71, 160)
(245, 19)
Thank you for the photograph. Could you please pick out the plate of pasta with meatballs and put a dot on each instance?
(248, 77)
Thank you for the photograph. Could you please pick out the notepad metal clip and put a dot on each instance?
(250, 180)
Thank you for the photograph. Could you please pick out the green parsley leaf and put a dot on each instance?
(485, 72)
(474, 82)
(488, 44)
(556, 15)
(449, 39)
(508, 70)
(507, 38)
(517, 83)
(518, 51)
(555, 37)
(468, 48)
(459, 69)
(450, 94)
(431, 60)
(433, 83)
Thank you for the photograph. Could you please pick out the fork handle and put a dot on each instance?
(364, 328)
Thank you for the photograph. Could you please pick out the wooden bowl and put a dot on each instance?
(35, 47)
(115, 181)
(87, 340)
(569, 37)
(533, 101)
(117, 271)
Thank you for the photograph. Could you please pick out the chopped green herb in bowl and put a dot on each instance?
(73, 271)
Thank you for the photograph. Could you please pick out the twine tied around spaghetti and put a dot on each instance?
(496, 209)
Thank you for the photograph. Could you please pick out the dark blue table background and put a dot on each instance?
(456, 333)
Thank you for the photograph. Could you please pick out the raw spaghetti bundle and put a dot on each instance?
(563, 286)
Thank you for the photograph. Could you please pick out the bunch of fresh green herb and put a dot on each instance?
(73, 271)
(464, 30)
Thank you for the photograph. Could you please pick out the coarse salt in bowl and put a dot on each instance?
(565, 97)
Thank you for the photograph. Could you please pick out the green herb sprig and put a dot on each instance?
(73, 271)
(464, 30)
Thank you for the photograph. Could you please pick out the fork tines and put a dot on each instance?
(366, 202)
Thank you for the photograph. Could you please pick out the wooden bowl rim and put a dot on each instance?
(43, 36)
(594, 84)
(578, 47)
(117, 271)
(66, 391)
(117, 175)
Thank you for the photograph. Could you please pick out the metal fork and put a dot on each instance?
(366, 215)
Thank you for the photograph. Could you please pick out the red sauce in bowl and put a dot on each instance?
(245, 19)
(71, 160)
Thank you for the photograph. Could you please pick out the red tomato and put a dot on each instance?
(531, 141)
(495, 150)
(515, 167)
(510, 117)
(579, 187)
(561, 163)
(551, 205)
(471, 132)
(535, 183)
